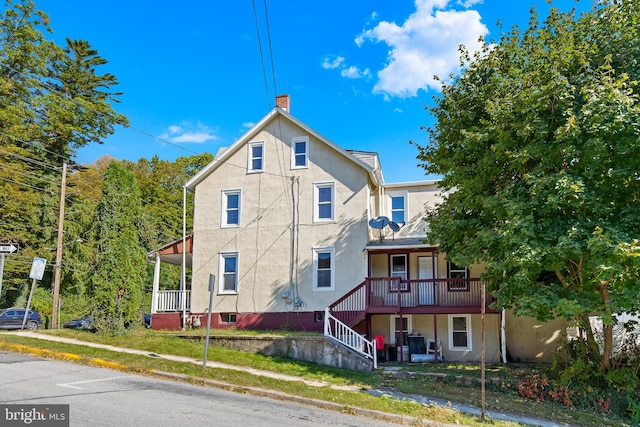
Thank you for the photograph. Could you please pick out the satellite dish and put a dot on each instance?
(379, 222)
(395, 226)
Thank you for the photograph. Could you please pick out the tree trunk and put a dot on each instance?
(607, 329)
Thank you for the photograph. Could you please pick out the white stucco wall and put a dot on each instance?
(276, 229)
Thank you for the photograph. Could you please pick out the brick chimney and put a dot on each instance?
(283, 101)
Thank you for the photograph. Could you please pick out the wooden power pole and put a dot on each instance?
(56, 277)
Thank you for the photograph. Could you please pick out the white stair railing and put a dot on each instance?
(335, 329)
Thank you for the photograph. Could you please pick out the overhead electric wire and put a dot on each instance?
(264, 70)
(273, 70)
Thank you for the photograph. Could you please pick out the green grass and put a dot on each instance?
(416, 381)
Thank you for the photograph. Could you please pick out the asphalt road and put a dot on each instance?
(104, 397)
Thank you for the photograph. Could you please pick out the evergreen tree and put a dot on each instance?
(121, 265)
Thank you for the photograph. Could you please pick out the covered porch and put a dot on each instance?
(171, 304)
(410, 297)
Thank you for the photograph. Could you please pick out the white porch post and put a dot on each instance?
(156, 285)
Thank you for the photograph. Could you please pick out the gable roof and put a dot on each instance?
(375, 174)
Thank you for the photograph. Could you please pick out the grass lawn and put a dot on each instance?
(452, 384)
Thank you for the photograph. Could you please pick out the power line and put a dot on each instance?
(264, 70)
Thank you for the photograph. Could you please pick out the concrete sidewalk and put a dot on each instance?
(381, 391)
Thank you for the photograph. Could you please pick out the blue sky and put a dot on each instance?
(359, 72)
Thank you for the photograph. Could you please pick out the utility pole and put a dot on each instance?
(56, 278)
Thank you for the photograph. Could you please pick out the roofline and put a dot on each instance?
(246, 137)
(374, 247)
(411, 183)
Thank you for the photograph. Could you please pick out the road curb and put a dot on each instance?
(368, 413)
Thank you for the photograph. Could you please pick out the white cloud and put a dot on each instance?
(425, 45)
(469, 3)
(331, 62)
(189, 133)
(248, 125)
(354, 72)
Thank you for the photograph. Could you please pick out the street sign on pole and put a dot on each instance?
(37, 268)
(9, 248)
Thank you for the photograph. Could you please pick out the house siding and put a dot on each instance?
(271, 202)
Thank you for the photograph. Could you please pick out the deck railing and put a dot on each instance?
(392, 292)
(171, 301)
(379, 293)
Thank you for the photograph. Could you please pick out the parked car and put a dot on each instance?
(82, 323)
(12, 318)
(147, 319)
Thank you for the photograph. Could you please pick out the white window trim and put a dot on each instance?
(317, 251)
(221, 290)
(405, 195)
(295, 139)
(223, 219)
(392, 328)
(250, 157)
(316, 208)
(469, 346)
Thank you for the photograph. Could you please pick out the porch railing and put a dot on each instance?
(335, 329)
(392, 292)
(172, 300)
(378, 293)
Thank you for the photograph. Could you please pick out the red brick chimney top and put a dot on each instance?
(283, 101)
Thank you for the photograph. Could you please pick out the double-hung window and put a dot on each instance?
(228, 273)
(256, 157)
(459, 276)
(399, 269)
(398, 207)
(299, 152)
(460, 332)
(324, 269)
(324, 204)
(231, 208)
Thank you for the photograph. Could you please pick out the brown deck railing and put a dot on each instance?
(379, 293)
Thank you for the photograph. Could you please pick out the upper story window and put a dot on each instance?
(324, 269)
(299, 152)
(324, 205)
(460, 274)
(231, 208)
(256, 157)
(398, 265)
(228, 273)
(398, 207)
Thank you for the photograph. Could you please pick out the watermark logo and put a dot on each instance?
(34, 415)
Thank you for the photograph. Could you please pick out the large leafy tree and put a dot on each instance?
(538, 143)
(120, 274)
(53, 100)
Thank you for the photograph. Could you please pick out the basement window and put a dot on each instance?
(228, 317)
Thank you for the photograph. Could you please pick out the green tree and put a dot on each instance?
(120, 273)
(53, 100)
(538, 144)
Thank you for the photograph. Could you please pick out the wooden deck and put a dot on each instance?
(390, 295)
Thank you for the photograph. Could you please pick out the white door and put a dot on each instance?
(426, 270)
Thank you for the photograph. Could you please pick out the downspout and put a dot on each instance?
(183, 274)
(156, 285)
(503, 337)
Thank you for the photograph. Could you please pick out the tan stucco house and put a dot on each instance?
(300, 233)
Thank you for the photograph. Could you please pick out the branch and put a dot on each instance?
(562, 279)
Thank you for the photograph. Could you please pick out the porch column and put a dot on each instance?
(156, 285)
(435, 337)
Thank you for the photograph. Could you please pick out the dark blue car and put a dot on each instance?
(12, 318)
(83, 323)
